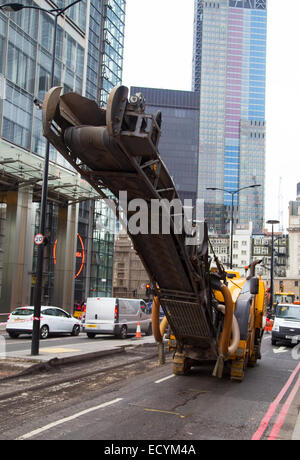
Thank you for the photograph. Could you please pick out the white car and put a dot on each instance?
(53, 320)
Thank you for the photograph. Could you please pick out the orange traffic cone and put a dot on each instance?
(138, 334)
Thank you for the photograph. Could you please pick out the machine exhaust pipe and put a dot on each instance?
(155, 320)
(227, 328)
(235, 332)
(230, 328)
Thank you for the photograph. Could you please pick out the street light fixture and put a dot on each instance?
(56, 13)
(232, 193)
(272, 222)
(11, 7)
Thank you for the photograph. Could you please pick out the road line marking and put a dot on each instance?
(165, 412)
(273, 406)
(283, 413)
(165, 378)
(280, 350)
(58, 350)
(66, 419)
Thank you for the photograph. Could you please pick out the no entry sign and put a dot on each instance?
(39, 239)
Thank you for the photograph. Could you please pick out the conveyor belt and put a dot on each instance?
(117, 149)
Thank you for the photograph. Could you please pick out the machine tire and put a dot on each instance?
(91, 335)
(238, 367)
(181, 364)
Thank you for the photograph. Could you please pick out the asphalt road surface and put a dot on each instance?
(145, 401)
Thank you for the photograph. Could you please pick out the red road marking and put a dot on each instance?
(273, 406)
(283, 413)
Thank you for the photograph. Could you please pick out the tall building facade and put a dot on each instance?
(294, 236)
(229, 71)
(178, 145)
(89, 56)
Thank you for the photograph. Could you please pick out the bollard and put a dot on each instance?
(161, 353)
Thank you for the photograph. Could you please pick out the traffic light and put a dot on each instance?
(148, 290)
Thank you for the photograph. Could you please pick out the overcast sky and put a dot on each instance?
(158, 54)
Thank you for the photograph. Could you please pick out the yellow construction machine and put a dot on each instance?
(249, 306)
(214, 315)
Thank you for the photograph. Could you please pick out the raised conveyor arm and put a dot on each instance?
(117, 149)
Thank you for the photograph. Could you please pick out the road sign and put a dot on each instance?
(39, 239)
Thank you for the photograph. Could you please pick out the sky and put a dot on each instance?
(158, 54)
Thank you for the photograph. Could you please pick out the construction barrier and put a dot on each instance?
(138, 334)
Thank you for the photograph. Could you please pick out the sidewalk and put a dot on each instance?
(22, 362)
(80, 350)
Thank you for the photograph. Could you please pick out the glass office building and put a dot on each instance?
(178, 145)
(89, 57)
(229, 70)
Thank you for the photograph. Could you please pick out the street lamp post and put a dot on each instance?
(56, 13)
(272, 222)
(232, 193)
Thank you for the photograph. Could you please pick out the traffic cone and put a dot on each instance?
(138, 334)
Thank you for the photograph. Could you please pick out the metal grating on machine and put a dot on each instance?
(186, 318)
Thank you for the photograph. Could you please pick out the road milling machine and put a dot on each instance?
(215, 316)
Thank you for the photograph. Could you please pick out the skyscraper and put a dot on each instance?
(178, 144)
(229, 71)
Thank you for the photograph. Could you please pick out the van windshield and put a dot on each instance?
(284, 298)
(288, 311)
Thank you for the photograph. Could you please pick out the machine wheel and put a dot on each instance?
(252, 362)
(238, 367)
(255, 356)
(181, 364)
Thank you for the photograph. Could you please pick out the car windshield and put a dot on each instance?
(288, 311)
(24, 311)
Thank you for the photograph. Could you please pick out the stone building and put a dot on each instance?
(129, 275)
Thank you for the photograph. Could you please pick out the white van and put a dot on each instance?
(111, 315)
(286, 326)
